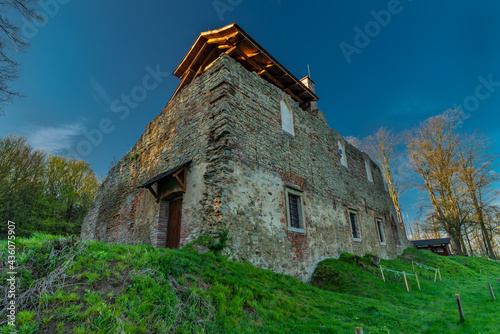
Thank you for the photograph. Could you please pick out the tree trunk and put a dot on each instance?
(471, 251)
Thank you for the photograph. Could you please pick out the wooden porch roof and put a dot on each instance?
(232, 40)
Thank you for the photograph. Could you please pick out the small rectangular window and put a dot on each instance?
(368, 171)
(293, 202)
(343, 157)
(380, 229)
(286, 118)
(295, 213)
(353, 218)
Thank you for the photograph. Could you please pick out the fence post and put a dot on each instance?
(412, 265)
(435, 274)
(439, 272)
(383, 277)
(418, 283)
(491, 291)
(406, 282)
(460, 310)
(359, 330)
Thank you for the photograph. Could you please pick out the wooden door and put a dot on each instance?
(174, 223)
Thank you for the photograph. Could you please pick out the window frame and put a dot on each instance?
(289, 111)
(380, 232)
(295, 191)
(343, 154)
(357, 224)
(369, 173)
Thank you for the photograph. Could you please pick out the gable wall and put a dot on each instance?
(265, 158)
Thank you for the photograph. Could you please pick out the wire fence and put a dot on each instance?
(436, 270)
(398, 273)
(424, 266)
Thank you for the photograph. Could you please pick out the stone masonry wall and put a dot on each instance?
(227, 121)
(265, 159)
(186, 129)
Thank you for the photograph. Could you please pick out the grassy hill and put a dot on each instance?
(66, 286)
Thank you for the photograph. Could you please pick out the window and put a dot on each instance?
(368, 171)
(294, 203)
(381, 234)
(343, 157)
(353, 218)
(286, 118)
(295, 212)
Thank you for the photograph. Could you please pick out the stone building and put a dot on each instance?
(241, 146)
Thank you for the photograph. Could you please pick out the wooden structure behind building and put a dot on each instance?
(438, 246)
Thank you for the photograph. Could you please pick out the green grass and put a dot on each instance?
(139, 289)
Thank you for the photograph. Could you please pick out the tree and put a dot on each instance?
(11, 42)
(42, 193)
(477, 173)
(20, 180)
(433, 149)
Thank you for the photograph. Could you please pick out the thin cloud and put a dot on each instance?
(55, 139)
(100, 94)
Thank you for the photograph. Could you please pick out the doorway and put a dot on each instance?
(174, 223)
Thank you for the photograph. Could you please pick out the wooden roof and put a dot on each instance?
(430, 242)
(232, 40)
(163, 175)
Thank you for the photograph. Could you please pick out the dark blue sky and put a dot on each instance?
(422, 58)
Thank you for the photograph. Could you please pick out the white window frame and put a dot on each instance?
(302, 220)
(287, 122)
(343, 155)
(356, 224)
(380, 231)
(369, 174)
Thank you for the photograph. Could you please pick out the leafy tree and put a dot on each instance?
(42, 193)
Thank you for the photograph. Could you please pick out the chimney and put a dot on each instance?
(307, 81)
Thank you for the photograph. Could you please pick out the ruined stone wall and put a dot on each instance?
(265, 159)
(188, 128)
(227, 121)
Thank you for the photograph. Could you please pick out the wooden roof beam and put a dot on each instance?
(298, 99)
(201, 69)
(270, 77)
(222, 40)
(153, 192)
(197, 57)
(250, 61)
(231, 50)
(251, 55)
(185, 80)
